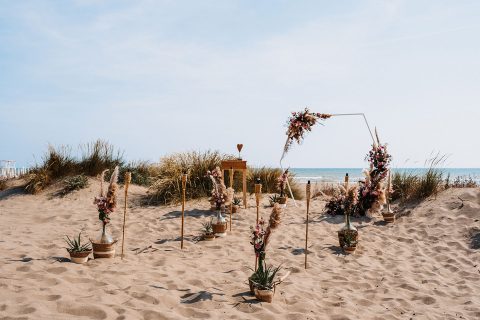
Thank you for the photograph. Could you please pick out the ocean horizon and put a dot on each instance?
(356, 174)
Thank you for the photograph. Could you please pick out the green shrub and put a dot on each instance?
(410, 186)
(74, 183)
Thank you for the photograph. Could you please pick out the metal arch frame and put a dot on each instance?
(375, 141)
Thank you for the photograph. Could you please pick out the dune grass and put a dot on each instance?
(409, 186)
(58, 163)
(166, 185)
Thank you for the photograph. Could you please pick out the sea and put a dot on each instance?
(355, 174)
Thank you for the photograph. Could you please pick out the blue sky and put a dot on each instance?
(156, 77)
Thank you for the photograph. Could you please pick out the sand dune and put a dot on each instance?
(422, 267)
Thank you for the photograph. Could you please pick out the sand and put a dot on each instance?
(421, 267)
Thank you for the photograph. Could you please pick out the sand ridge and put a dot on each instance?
(422, 267)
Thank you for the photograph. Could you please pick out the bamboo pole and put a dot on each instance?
(231, 202)
(128, 179)
(258, 191)
(184, 186)
(308, 193)
(346, 193)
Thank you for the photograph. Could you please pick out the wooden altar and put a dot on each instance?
(237, 165)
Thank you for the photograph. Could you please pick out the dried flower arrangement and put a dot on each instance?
(107, 204)
(221, 195)
(299, 123)
(371, 195)
(282, 182)
(343, 202)
(259, 239)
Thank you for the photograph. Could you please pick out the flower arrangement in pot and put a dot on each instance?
(207, 230)
(281, 185)
(236, 204)
(222, 197)
(78, 251)
(348, 235)
(371, 196)
(104, 246)
(262, 281)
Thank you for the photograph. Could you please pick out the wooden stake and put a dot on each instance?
(346, 192)
(258, 191)
(128, 178)
(308, 193)
(231, 203)
(184, 187)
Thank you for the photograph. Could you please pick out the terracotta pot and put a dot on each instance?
(234, 208)
(264, 295)
(282, 200)
(350, 249)
(209, 237)
(103, 250)
(251, 285)
(389, 217)
(79, 257)
(219, 228)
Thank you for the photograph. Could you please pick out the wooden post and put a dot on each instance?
(258, 191)
(389, 186)
(346, 192)
(308, 193)
(244, 186)
(231, 203)
(128, 178)
(184, 186)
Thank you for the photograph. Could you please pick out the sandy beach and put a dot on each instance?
(421, 267)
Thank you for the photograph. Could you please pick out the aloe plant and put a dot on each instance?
(76, 245)
(264, 277)
(273, 199)
(207, 227)
(236, 201)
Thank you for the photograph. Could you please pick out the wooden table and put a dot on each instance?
(237, 165)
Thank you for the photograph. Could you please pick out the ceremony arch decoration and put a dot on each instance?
(302, 121)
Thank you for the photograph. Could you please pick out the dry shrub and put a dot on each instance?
(3, 184)
(59, 163)
(166, 186)
(268, 178)
(98, 156)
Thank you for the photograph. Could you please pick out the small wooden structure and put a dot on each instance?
(237, 165)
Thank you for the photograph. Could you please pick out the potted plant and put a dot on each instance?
(208, 233)
(259, 239)
(389, 215)
(78, 251)
(236, 204)
(222, 197)
(104, 246)
(273, 199)
(350, 240)
(264, 282)
(281, 184)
